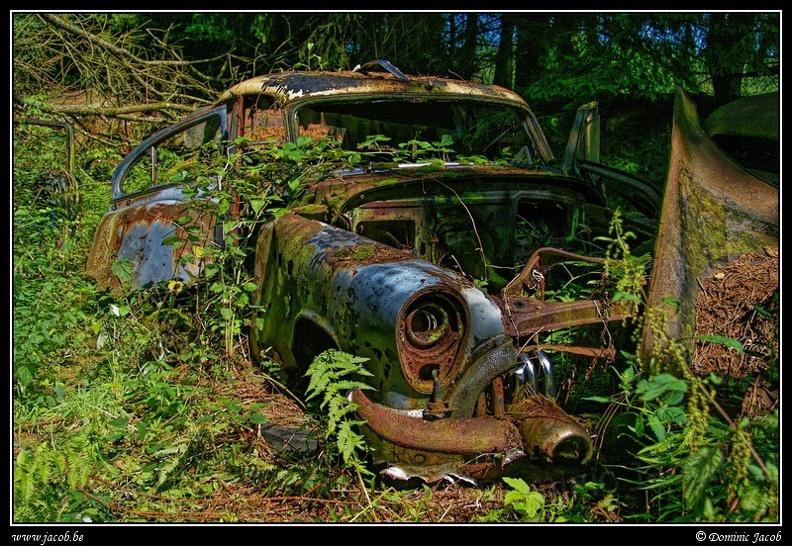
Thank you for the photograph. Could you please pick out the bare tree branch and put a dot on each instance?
(116, 111)
(70, 65)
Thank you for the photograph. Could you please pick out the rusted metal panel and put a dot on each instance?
(378, 297)
(756, 116)
(528, 316)
(137, 234)
(713, 212)
(290, 86)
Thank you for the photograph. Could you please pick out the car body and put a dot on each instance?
(430, 256)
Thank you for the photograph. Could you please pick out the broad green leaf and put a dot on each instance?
(699, 470)
(729, 342)
(122, 268)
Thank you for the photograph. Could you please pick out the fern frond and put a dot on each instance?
(698, 471)
(330, 374)
(349, 442)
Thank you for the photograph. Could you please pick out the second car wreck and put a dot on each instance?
(434, 254)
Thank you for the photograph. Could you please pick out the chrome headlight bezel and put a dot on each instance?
(432, 332)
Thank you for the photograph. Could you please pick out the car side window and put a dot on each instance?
(263, 122)
(179, 155)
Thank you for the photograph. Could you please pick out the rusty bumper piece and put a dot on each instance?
(534, 425)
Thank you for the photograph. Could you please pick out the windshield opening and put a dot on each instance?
(417, 130)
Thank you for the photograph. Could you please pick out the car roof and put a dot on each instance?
(754, 116)
(287, 87)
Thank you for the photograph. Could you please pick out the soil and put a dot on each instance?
(738, 305)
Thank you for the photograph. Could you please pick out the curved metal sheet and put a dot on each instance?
(713, 212)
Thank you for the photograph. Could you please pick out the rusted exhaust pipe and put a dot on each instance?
(549, 430)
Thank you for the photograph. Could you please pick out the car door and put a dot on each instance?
(163, 207)
(582, 160)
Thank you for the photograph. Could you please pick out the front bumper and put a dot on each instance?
(420, 444)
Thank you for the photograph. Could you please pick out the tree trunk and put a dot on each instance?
(729, 48)
(504, 59)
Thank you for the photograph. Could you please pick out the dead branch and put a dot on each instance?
(109, 66)
(118, 51)
(113, 111)
(76, 66)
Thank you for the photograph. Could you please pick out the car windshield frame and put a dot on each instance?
(326, 111)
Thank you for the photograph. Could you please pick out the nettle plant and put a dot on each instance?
(689, 458)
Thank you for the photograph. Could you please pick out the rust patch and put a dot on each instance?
(524, 316)
(117, 230)
(549, 430)
(713, 210)
(370, 253)
(452, 435)
(607, 353)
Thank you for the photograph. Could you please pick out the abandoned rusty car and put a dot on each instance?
(438, 252)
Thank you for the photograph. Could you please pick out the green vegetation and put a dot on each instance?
(140, 406)
(144, 406)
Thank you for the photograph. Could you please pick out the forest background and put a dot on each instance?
(97, 440)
